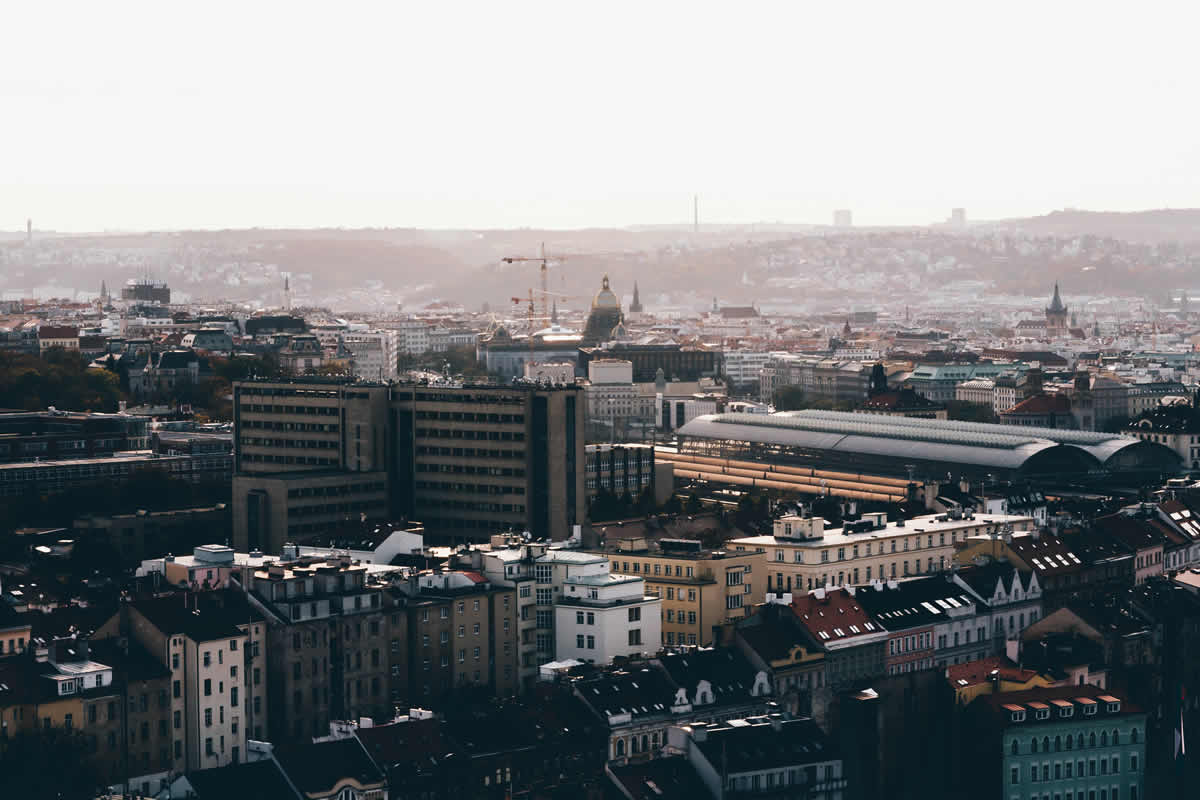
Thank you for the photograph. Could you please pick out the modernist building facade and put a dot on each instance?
(466, 460)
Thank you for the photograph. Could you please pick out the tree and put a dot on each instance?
(59, 378)
(969, 412)
(50, 763)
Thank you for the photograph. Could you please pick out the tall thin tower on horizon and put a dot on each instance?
(28, 232)
(695, 213)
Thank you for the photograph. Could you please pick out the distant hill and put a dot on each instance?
(1151, 227)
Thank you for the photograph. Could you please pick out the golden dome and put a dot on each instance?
(605, 297)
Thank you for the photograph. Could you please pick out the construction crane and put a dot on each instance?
(545, 260)
(531, 316)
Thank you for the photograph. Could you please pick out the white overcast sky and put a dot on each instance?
(118, 115)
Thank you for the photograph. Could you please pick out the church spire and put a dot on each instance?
(636, 306)
(1056, 303)
(554, 313)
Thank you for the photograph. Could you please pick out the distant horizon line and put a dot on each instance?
(634, 227)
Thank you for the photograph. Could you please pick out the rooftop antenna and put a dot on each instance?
(695, 213)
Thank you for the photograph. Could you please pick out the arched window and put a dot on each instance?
(1033, 745)
(645, 743)
(1016, 747)
(1104, 738)
(1116, 737)
(1133, 736)
(1092, 739)
(1070, 742)
(633, 745)
(1057, 743)
(620, 747)
(1045, 744)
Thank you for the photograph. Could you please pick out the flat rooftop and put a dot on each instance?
(917, 525)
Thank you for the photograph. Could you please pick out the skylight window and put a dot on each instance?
(823, 634)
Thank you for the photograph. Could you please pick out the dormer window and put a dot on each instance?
(1043, 713)
(1089, 710)
(1066, 712)
(1018, 716)
(1113, 708)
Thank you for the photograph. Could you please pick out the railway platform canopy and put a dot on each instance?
(903, 446)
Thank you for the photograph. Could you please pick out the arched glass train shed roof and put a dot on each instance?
(975, 445)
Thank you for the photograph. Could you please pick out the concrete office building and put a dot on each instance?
(466, 460)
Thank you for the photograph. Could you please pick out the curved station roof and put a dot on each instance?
(970, 444)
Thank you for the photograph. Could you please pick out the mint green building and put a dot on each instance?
(1057, 743)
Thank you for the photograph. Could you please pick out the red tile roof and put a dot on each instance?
(837, 610)
(1043, 404)
(976, 672)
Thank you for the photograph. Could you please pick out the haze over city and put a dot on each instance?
(138, 116)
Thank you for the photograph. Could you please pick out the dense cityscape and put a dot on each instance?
(622, 401)
(618, 546)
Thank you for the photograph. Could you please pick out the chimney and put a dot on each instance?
(994, 677)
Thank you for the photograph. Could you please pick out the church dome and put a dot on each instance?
(605, 297)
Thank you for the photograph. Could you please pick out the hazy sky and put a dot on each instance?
(565, 114)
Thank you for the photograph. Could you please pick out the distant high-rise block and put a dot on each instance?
(843, 218)
(958, 217)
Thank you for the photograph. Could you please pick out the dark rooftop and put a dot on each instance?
(318, 768)
(765, 743)
(251, 779)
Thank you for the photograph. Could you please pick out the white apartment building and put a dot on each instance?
(742, 368)
(373, 354)
(600, 616)
(543, 577)
(610, 393)
(216, 655)
(414, 337)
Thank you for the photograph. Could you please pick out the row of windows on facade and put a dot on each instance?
(300, 444)
(474, 488)
(851, 576)
(620, 482)
(638, 568)
(470, 435)
(470, 416)
(314, 461)
(469, 452)
(798, 555)
(322, 509)
(1105, 793)
(1110, 765)
(1073, 742)
(306, 427)
(466, 505)
(471, 469)
(657, 591)
(263, 408)
(337, 491)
